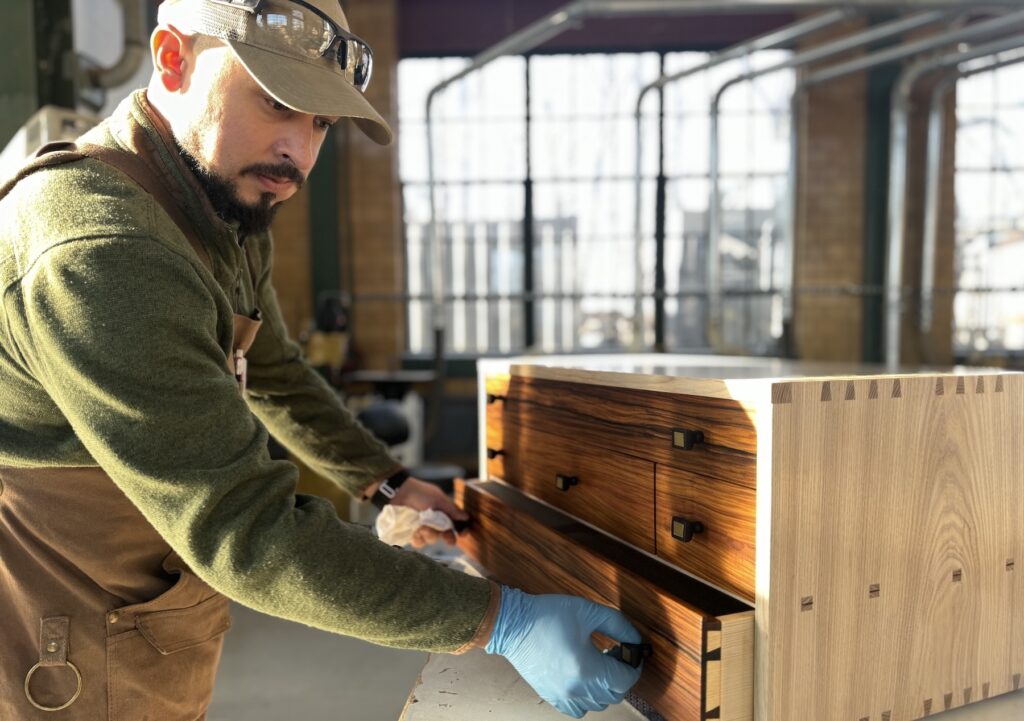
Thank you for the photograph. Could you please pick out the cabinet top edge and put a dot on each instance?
(749, 380)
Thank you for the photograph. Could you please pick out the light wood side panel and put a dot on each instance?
(639, 424)
(723, 554)
(525, 544)
(896, 504)
(613, 492)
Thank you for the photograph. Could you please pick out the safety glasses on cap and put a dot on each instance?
(298, 25)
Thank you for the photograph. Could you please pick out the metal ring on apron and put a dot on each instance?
(28, 691)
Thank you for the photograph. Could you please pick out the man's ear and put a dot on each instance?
(171, 56)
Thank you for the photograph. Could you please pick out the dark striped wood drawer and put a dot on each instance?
(702, 667)
(642, 424)
(609, 490)
(722, 551)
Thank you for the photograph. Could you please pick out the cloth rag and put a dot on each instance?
(397, 524)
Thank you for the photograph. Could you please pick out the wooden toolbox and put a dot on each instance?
(795, 543)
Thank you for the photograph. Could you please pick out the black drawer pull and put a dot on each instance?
(685, 439)
(631, 653)
(564, 483)
(684, 529)
(492, 454)
(492, 398)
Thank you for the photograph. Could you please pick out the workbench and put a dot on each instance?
(480, 687)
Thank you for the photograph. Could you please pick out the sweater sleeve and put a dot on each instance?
(122, 334)
(301, 409)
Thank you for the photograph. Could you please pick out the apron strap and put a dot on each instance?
(53, 651)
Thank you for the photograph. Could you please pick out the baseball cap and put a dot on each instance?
(301, 52)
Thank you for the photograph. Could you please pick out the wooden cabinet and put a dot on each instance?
(796, 541)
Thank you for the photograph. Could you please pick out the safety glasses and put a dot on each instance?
(295, 25)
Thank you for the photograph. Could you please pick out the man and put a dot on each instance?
(142, 358)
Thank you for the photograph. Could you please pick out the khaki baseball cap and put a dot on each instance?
(274, 44)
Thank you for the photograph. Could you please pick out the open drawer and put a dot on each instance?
(702, 665)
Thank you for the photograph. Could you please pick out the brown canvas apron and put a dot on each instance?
(102, 620)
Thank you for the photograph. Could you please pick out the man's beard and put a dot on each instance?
(223, 194)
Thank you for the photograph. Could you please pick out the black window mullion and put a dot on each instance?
(529, 304)
(659, 225)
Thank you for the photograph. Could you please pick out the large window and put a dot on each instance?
(554, 137)
(989, 307)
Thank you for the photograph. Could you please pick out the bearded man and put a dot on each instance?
(143, 359)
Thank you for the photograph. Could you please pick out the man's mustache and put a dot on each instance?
(281, 171)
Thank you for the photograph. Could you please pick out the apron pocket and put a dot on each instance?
(164, 666)
(176, 630)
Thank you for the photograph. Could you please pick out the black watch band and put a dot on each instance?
(386, 490)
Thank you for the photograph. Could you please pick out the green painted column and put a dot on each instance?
(325, 252)
(19, 96)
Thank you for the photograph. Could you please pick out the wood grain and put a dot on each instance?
(639, 423)
(723, 554)
(896, 511)
(525, 544)
(614, 492)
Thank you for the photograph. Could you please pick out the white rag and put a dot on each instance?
(397, 524)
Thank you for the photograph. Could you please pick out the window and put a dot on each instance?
(988, 315)
(559, 131)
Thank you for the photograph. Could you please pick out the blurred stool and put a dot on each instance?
(387, 422)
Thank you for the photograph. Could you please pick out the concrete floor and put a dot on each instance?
(274, 670)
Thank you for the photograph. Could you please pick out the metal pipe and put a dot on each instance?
(600, 8)
(775, 39)
(907, 50)
(814, 55)
(901, 109)
(135, 49)
(933, 182)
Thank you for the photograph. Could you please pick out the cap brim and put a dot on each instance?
(311, 89)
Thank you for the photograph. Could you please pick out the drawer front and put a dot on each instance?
(720, 549)
(610, 491)
(659, 427)
(524, 544)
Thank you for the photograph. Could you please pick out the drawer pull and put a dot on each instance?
(564, 483)
(492, 454)
(685, 439)
(631, 653)
(684, 529)
(493, 398)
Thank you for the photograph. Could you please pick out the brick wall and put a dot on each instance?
(292, 275)
(369, 214)
(830, 221)
(830, 230)
(370, 208)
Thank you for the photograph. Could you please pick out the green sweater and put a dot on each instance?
(114, 339)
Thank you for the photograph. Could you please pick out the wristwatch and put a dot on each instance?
(388, 487)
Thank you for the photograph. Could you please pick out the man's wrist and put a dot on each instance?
(386, 489)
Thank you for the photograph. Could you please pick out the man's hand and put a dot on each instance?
(423, 496)
(547, 639)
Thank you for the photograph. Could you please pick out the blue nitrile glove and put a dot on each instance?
(547, 639)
